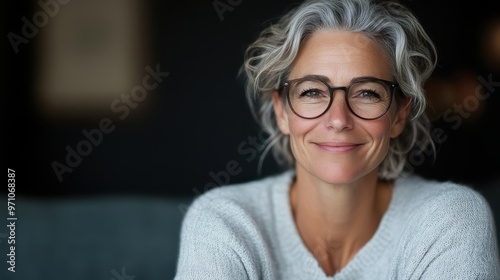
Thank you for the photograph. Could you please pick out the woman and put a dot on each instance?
(338, 85)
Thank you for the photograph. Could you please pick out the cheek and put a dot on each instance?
(300, 127)
(380, 131)
(299, 133)
(381, 128)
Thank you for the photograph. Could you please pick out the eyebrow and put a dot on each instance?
(325, 79)
(322, 78)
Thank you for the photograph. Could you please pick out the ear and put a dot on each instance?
(399, 122)
(280, 113)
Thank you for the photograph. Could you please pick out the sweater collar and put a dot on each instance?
(299, 260)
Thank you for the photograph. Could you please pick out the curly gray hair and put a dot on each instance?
(268, 61)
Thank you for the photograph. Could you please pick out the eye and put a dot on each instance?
(312, 93)
(369, 94)
(366, 95)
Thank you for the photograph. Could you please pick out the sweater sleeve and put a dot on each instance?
(209, 245)
(456, 239)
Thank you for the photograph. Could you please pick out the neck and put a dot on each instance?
(336, 221)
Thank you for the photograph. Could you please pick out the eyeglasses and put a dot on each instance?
(366, 97)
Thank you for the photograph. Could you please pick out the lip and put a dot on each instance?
(337, 147)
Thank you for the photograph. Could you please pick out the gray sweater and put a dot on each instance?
(431, 230)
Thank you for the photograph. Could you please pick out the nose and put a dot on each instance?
(339, 117)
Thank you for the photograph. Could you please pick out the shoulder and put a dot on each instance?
(225, 231)
(443, 209)
(246, 195)
(448, 225)
(448, 212)
(230, 228)
(429, 195)
(444, 203)
(237, 204)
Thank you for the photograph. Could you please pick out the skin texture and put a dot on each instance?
(337, 199)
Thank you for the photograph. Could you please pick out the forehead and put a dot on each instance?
(341, 55)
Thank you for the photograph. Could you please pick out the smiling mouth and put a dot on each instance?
(337, 147)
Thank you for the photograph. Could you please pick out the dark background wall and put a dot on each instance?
(197, 121)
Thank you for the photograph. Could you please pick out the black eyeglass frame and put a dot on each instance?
(285, 86)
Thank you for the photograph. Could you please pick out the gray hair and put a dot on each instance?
(268, 61)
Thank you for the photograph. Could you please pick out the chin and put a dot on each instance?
(337, 175)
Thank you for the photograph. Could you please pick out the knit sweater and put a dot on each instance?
(431, 230)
